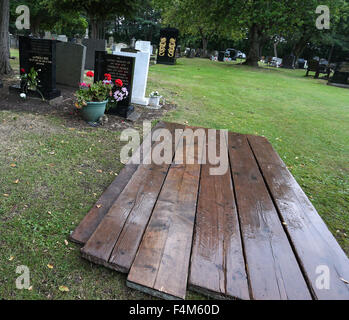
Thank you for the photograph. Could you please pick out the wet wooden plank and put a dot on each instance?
(93, 218)
(272, 267)
(265, 150)
(162, 261)
(217, 262)
(131, 235)
(314, 244)
(129, 213)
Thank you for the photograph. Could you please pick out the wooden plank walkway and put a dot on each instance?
(249, 233)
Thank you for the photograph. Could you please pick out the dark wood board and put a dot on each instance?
(314, 244)
(162, 261)
(128, 242)
(93, 218)
(114, 238)
(217, 261)
(273, 270)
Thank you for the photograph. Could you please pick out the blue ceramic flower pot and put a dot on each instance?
(94, 110)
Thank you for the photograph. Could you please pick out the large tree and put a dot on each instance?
(191, 18)
(5, 67)
(98, 11)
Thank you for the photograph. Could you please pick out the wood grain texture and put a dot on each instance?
(128, 242)
(93, 218)
(162, 261)
(217, 262)
(272, 267)
(117, 237)
(314, 244)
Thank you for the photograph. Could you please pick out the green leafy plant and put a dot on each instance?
(95, 92)
(30, 81)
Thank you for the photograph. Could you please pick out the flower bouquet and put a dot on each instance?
(29, 81)
(154, 99)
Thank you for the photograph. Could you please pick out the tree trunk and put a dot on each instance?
(5, 67)
(204, 43)
(330, 54)
(300, 46)
(255, 41)
(94, 27)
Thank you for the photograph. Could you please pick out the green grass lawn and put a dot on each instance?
(50, 175)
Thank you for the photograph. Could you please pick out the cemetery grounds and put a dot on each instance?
(52, 171)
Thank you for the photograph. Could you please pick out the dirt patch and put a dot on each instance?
(67, 111)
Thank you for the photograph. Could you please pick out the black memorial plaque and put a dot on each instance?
(341, 74)
(40, 54)
(288, 62)
(119, 67)
(167, 46)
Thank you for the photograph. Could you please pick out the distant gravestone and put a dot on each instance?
(144, 46)
(70, 63)
(48, 35)
(167, 46)
(40, 54)
(14, 43)
(62, 37)
(110, 41)
(118, 46)
(120, 67)
(341, 75)
(288, 62)
(221, 56)
(92, 45)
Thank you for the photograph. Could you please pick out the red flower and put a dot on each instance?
(22, 70)
(119, 82)
(107, 76)
(90, 74)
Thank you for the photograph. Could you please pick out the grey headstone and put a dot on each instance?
(93, 45)
(70, 63)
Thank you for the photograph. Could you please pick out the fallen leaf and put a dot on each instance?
(50, 266)
(49, 212)
(99, 171)
(99, 206)
(66, 242)
(63, 289)
(13, 165)
(16, 181)
(80, 172)
(6, 195)
(345, 281)
(30, 288)
(11, 258)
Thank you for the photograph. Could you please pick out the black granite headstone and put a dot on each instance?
(93, 45)
(40, 54)
(221, 55)
(119, 67)
(341, 74)
(288, 62)
(167, 46)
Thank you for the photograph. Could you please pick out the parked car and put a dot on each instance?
(234, 54)
(230, 53)
(240, 55)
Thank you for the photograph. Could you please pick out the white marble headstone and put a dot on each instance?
(62, 37)
(144, 46)
(140, 75)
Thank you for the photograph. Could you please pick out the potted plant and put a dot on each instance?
(29, 82)
(154, 99)
(93, 99)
